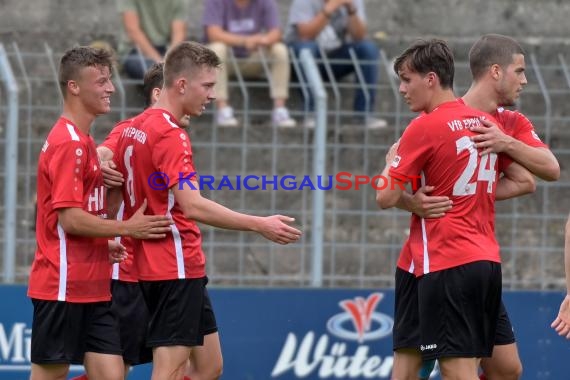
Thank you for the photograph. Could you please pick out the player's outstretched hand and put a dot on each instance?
(427, 206)
(117, 252)
(141, 226)
(277, 229)
(562, 322)
(111, 177)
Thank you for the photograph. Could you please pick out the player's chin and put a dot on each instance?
(414, 108)
(104, 109)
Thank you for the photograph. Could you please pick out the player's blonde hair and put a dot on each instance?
(187, 57)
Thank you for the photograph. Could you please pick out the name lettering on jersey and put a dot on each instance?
(458, 125)
(95, 201)
(135, 134)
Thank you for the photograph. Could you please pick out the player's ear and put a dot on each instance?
(155, 94)
(431, 78)
(73, 87)
(181, 85)
(495, 71)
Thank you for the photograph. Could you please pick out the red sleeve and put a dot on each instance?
(523, 130)
(172, 155)
(66, 171)
(413, 152)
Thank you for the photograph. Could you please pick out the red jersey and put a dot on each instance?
(154, 153)
(438, 147)
(67, 267)
(514, 124)
(126, 270)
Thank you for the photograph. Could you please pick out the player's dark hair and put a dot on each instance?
(426, 56)
(153, 78)
(492, 49)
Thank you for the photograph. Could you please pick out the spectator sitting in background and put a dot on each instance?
(335, 26)
(246, 26)
(149, 28)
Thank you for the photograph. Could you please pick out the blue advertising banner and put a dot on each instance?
(310, 334)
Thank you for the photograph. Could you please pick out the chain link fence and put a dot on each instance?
(360, 243)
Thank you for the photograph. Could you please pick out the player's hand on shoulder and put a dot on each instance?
(141, 226)
(277, 229)
(490, 138)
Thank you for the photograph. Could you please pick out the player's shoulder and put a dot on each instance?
(65, 132)
(511, 115)
(123, 124)
(160, 119)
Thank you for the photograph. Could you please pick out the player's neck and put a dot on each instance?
(165, 102)
(77, 114)
(480, 98)
(440, 97)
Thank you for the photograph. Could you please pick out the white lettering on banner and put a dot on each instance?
(15, 347)
(331, 362)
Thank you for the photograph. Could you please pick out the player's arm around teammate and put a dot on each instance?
(539, 160)
(78, 222)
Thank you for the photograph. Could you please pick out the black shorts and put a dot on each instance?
(406, 332)
(505, 334)
(459, 309)
(129, 306)
(62, 332)
(180, 312)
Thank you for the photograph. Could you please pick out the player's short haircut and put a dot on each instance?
(153, 78)
(77, 58)
(186, 57)
(492, 49)
(425, 56)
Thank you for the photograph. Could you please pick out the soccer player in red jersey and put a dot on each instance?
(127, 300)
(497, 66)
(155, 156)
(70, 279)
(456, 256)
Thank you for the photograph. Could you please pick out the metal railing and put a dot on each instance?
(359, 243)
